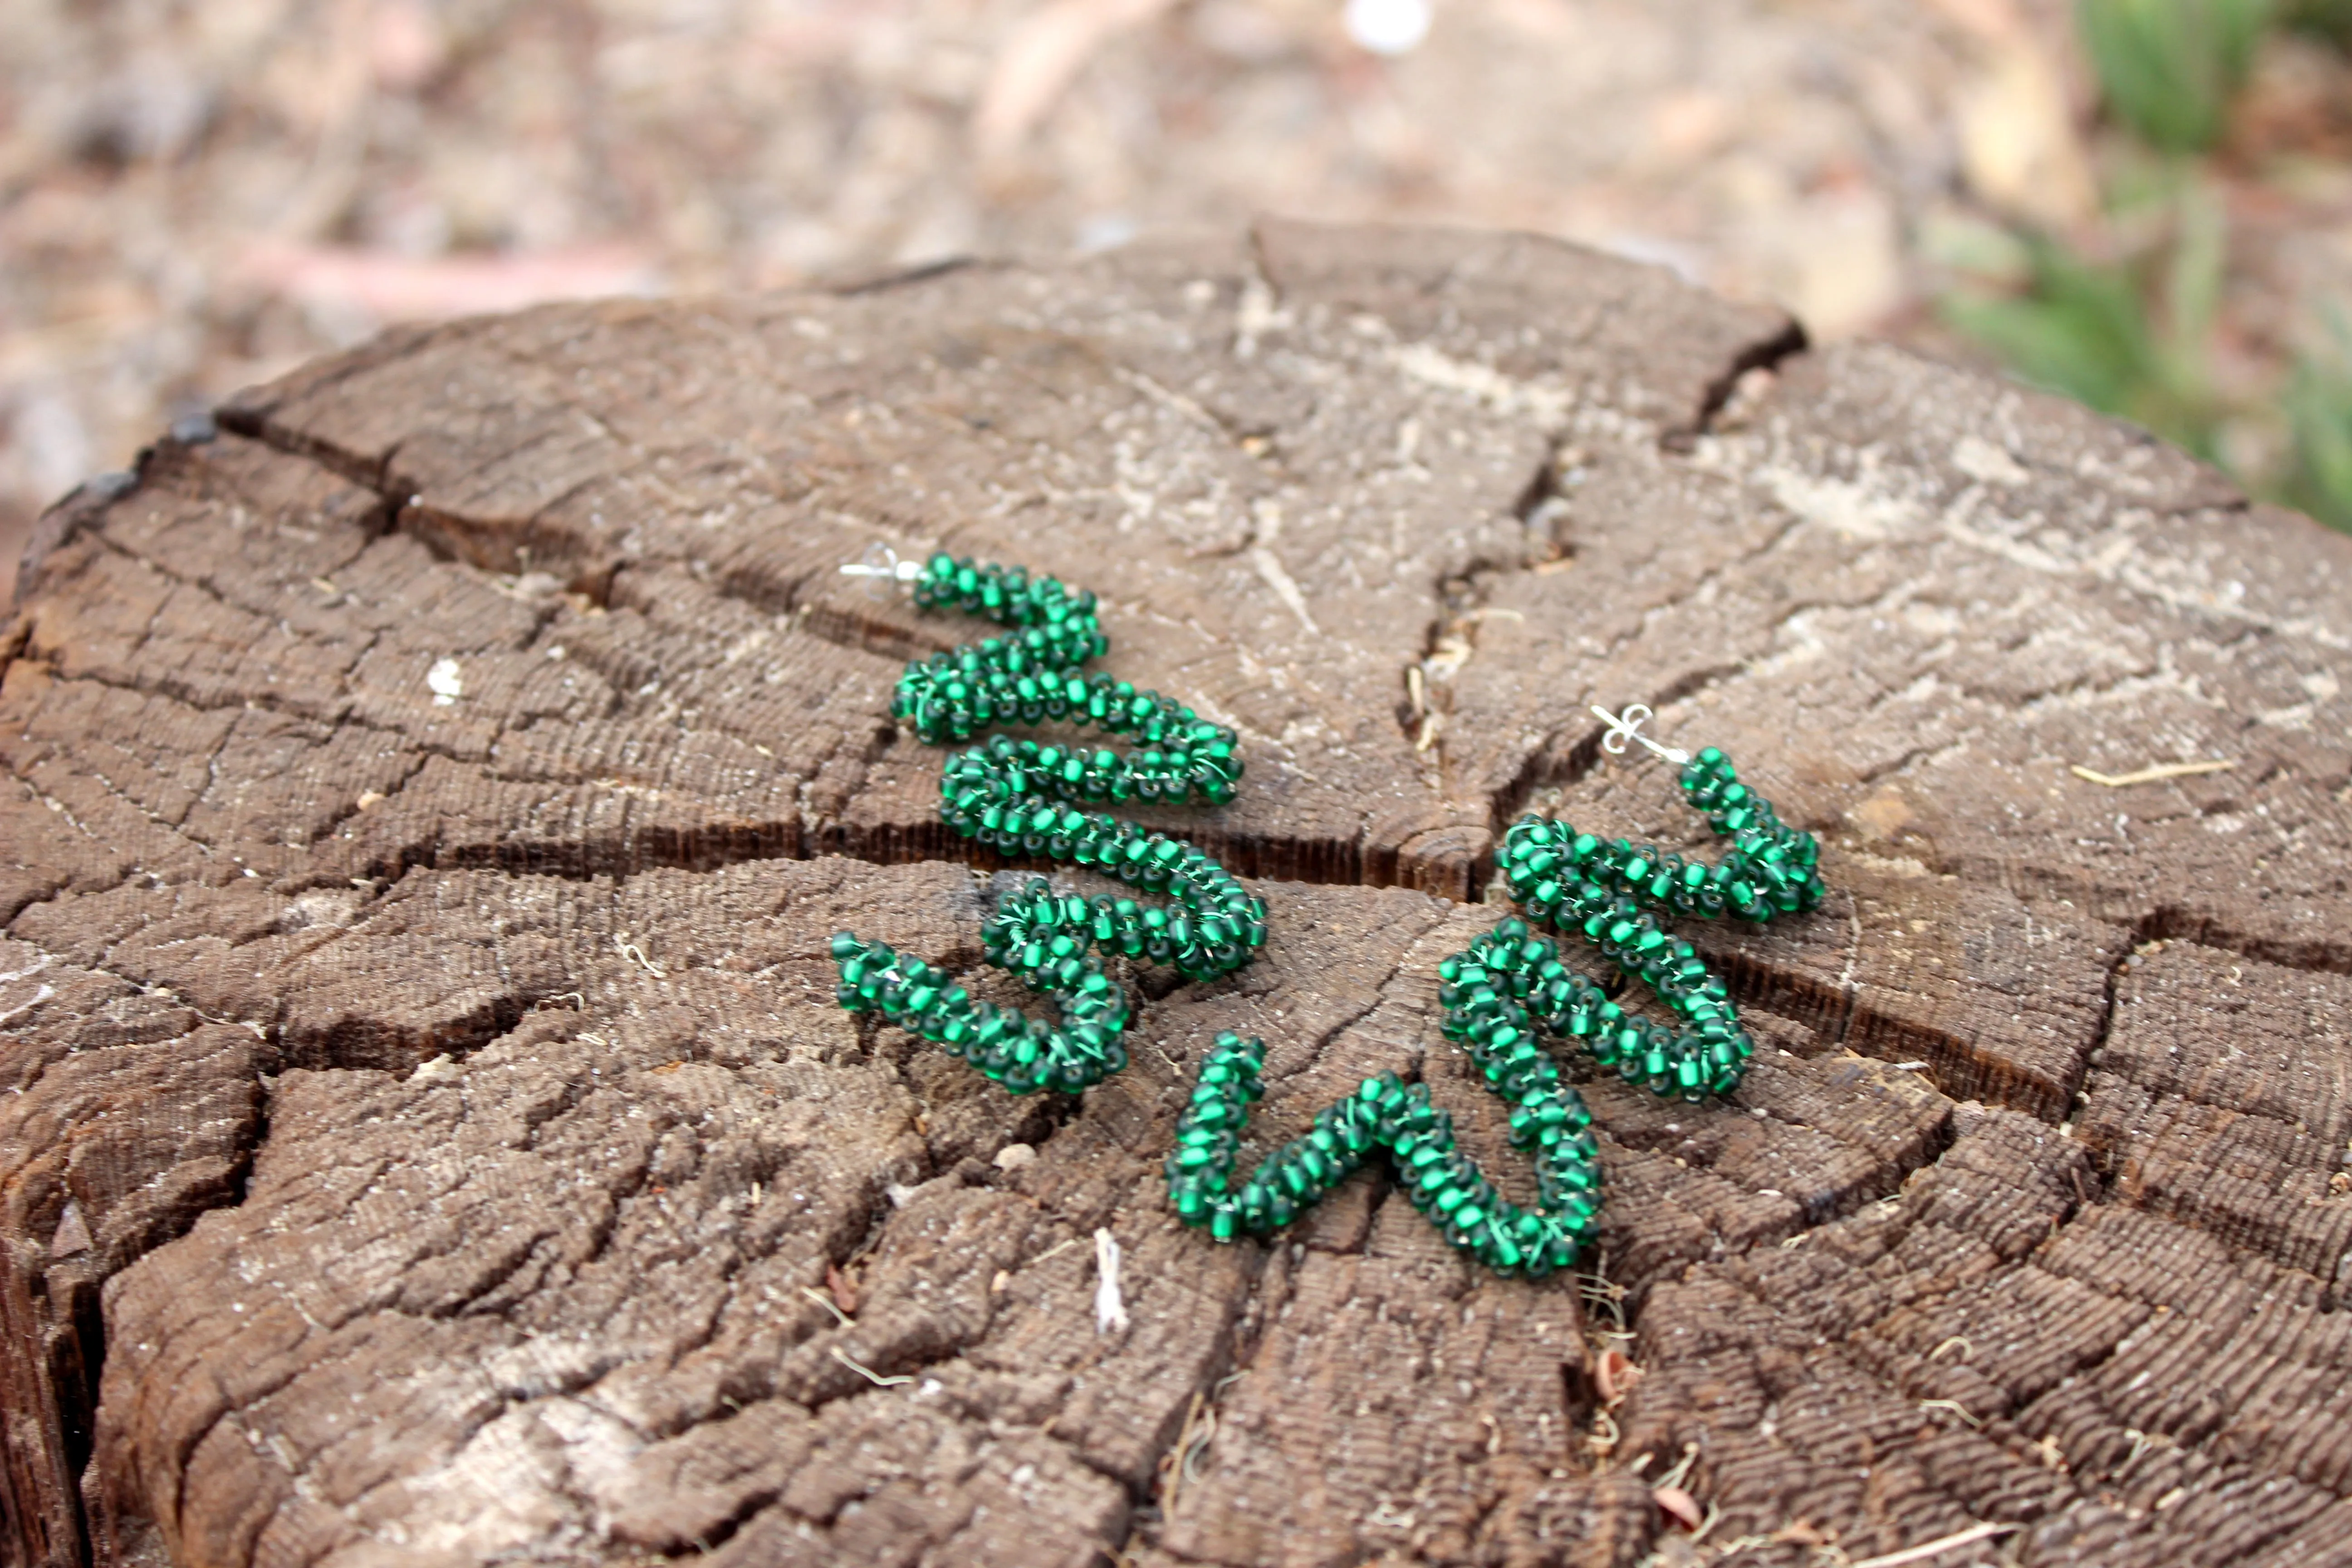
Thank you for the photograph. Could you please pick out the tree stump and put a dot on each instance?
(431, 1136)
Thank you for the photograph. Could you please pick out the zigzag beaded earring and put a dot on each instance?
(1023, 799)
(1498, 994)
(1614, 893)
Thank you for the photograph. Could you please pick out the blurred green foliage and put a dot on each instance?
(2330, 20)
(2127, 337)
(2169, 69)
(2132, 333)
(2319, 409)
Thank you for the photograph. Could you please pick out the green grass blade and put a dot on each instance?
(2319, 414)
(2169, 69)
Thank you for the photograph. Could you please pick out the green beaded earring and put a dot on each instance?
(1614, 893)
(1024, 798)
(1499, 994)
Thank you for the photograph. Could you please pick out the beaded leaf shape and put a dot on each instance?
(1498, 994)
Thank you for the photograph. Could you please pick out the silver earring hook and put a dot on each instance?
(882, 569)
(1627, 726)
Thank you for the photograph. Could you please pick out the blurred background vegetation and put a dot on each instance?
(2127, 313)
(2147, 203)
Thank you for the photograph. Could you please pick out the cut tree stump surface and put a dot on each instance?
(430, 1137)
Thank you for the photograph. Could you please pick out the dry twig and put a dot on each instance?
(2151, 775)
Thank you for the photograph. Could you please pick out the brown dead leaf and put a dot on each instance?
(844, 1294)
(1615, 1374)
(382, 286)
(1040, 62)
(2019, 146)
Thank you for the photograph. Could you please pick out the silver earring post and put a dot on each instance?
(882, 569)
(1627, 726)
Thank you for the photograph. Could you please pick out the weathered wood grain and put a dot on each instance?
(431, 1138)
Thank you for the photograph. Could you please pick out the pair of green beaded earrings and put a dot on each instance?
(1499, 995)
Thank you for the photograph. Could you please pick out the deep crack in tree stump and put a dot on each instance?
(430, 1136)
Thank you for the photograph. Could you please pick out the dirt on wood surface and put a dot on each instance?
(432, 1139)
